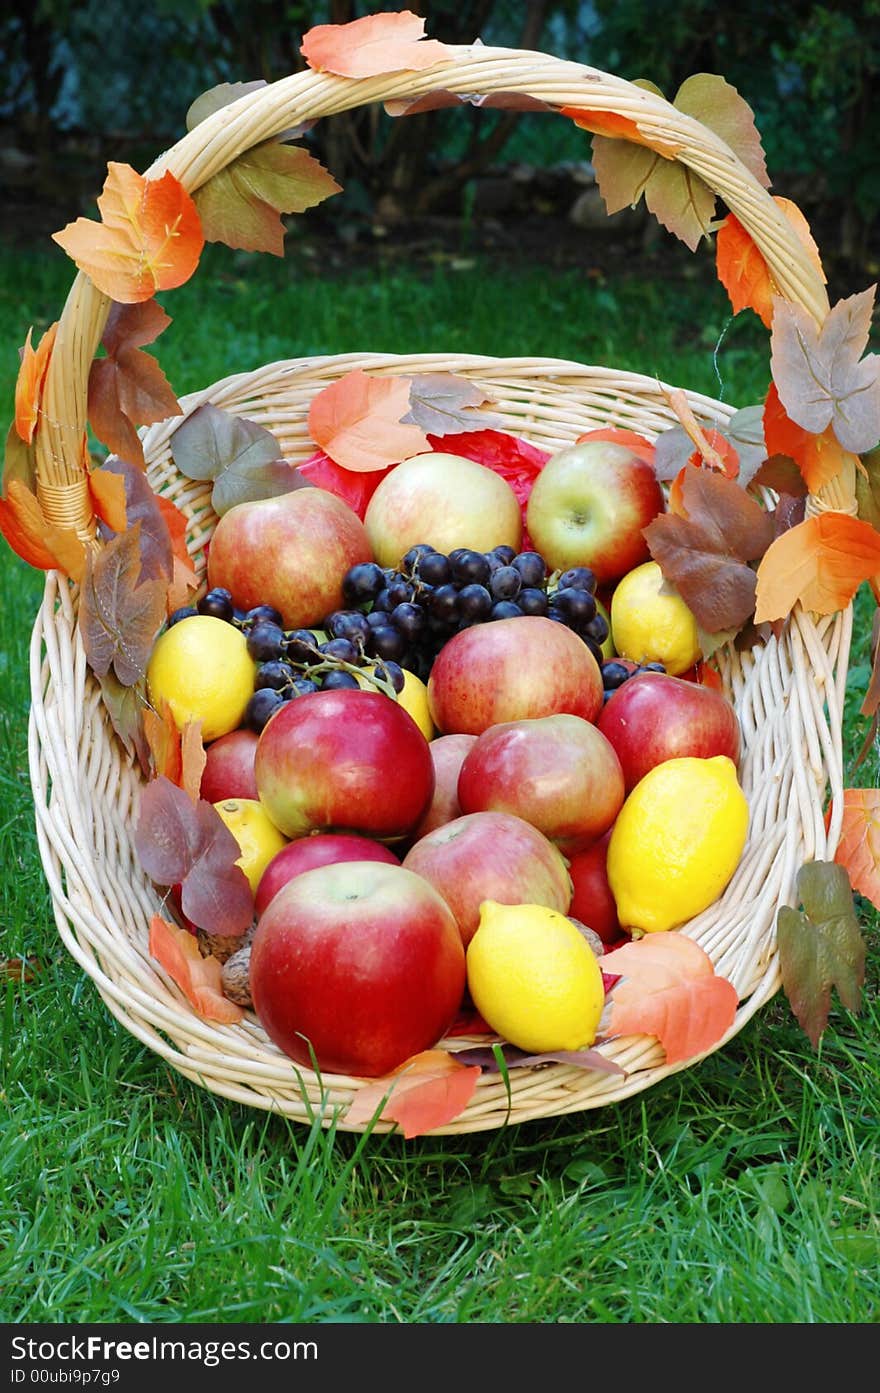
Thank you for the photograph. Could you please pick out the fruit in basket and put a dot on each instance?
(289, 552)
(202, 669)
(447, 754)
(490, 856)
(229, 767)
(589, 505)
(256, 834)
(558, 773)
(321, 849)
(653, 717)
(677, 841)
(511, 670)
(592, 902)
(359, 964)
(344, 760)
(443, 499)
(534, 978)
(650, 622)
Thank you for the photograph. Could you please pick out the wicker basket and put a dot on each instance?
(788, 693)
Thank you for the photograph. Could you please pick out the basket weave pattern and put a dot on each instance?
(788, 693)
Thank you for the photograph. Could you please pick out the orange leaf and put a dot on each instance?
(30, 380)
(712, 448)
(150, 237)
(36, 541)
(383, 43)
(163, 740)
(820, 458)
(357, 421)
(184, 578)
(428, 1090)
(821, 562)
(608, 123)
(669, 988)
(177, 951)
(192, 759)
(858, 850)
(742, 269)
(619, 436)
(107, 491)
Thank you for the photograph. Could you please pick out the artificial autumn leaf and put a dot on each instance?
(179, 842)
(868, 488)
(200, 979)
(120, 613)
(355, 489)
(820, 375)
(183, 576)
(428, 1090)
(242, 204)
(358, 421)
(127, 388)
(670, 989)
(819, 458)
(107, 492)
(149, 239)
(38, 542)
(141, 507)
(241, 457)
(858, 849)
(19, 462)
(442, 403)
(30, 380)
(742, 269)
(618, 435)
(193, 759)
(780, 473)
(617, 127)
(711, 447)
(821, 946)
(437, 101)
(821, 563)
(374, 44)
(163, 739)
(513, 1058)
(126, 707)
(705, 554)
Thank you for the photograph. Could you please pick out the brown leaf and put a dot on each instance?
(821, 946)
(441, 403)
(120, 614)
(127, 388)
(126, 707)
(242, 203)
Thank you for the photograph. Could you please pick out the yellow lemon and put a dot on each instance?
(676, 842)
(534, 978)
(650, 622)
(255, 832)
(202, 668)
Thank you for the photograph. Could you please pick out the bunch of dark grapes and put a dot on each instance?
(414, 609)
(293, 662)
(615, 673)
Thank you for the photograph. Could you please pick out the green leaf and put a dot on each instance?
(241, 204)
(241, 457)
(868, 488)
(821, 946)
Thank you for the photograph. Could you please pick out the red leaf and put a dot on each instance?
(669, 988)
(30, 380)
(821, 562)
(149, 239)
(427, 1090)
(355, 489)
(858, 850)
(200, 980)
(357, 421)
(381, 43)
(127, 388)
(514, 459)
(819, 458)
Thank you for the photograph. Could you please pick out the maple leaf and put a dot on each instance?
(437, 101)
(820, 376)
(821, 562)
(30, 381)
(357, 421)
(742, 269)
(183, 576)
(820, 946)
(200, 979)
(120, 613)
(858, 849)
(374, 44)
(428, 1090)
(127, 388)
(712, 449)
(241, 457)
(441, 404)
(513, 1058)
(38, 542)
(149, 237)
(179, 842)
(819, 458)
(163, 739)
(669, 988)
(705, 554)
(242, 204)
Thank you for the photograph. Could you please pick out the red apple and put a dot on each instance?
(558, 773)
(588, 507)
(653, 717)
(490, 856)
(229, 767)
(510, 670)
(291, 552)
(445, 500)
(447, 753)
(344, 760)
(360, 963)
(320, 849)
(592, 902)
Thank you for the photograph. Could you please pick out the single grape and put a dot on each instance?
(184, 612)
(531, 600)
(596, 628)
(474, 602)
(338, 680)
(434, 568)
(579, 577)
(652, 667)
(376, 619)
(614, 674)
(594, 647)
(301, 646)
(387, 642)
(505, 609)
(532, 567)
(348, 623)
(302, 686)
(410, 619)
(266, 641)
(399, 592)
(391, 673)
(504, 553)
(578, 606)
(217, 603)
(263, 704)
(274, 674)
(259, 612)
(505, 583)
(411, 561)
(340, 648)
(469, 567)
(443, 604)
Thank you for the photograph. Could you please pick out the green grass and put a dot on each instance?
(743, 1190)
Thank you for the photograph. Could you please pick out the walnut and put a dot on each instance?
(235, 977)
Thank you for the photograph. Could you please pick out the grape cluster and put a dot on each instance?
(615, 673)
(293, 662)
(406, 614)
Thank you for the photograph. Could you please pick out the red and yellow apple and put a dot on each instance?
(229, 767)
(356, 966)
(593, 902)
(654, 716)
(447, 753)
(320, 849)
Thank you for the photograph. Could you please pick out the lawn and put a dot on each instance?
(743, 1190)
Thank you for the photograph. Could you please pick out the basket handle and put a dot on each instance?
(307, 96)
